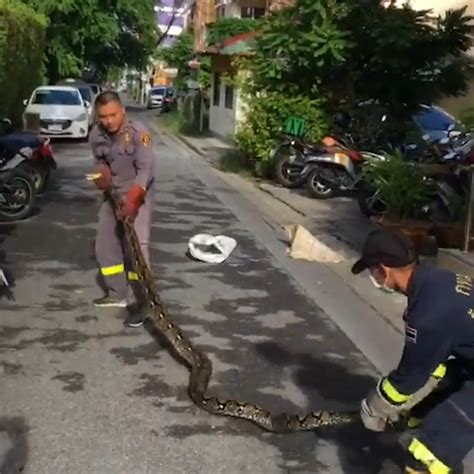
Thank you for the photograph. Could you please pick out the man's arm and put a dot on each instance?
(144, 158)
(427, 347)
(144, 162)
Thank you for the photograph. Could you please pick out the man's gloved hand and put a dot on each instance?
(104, 181)
(135, 198)
(376, 411)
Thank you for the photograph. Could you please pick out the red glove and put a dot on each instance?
(135, 198)
(104, 181)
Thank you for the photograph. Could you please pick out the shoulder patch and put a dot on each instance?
(411, 334)
(145, 138)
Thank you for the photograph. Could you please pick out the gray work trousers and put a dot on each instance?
(112, 253)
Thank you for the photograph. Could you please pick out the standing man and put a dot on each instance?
(439, 326)
(123, 154)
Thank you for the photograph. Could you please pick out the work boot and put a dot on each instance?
(136, 317)
(108, 301)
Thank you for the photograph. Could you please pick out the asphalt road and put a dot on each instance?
(80, 393)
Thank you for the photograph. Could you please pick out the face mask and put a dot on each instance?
(380, 287)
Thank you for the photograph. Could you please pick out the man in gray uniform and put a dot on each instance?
(123, 153)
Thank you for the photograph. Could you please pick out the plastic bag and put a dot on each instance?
(211, 249)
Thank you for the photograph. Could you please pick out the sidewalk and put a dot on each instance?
(338, 222)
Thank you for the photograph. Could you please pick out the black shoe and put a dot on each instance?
(109, 302)
(135, 319)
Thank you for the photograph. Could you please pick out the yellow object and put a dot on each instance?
(421, 453)
(132, 276)
(113, 270)
(440, 371)
(414, 422)
(392, 393)
(93, 176)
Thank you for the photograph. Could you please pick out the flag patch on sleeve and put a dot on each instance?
(410, 334)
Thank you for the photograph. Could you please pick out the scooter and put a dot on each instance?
(290, 156)
(27, 151)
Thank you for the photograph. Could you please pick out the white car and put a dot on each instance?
(62, 111)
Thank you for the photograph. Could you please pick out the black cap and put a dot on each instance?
(385, 247)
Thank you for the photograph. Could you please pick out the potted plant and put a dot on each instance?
(404, 191)
(449, 233)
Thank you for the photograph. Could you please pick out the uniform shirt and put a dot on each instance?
(129, 154)
(439, 323)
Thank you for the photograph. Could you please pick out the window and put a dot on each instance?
(56, 97)
(434, 119)
(229, 97)
(220, 11)
(252, 12)
(216, 96)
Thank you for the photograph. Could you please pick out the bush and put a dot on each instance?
(401, 185)
(266, 116)
(22, 43)
(228, 27)
(467, 118)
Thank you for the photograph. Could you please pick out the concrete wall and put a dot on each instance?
(222, 120)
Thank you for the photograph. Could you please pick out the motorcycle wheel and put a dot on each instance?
(369, 205)
(283, 169)
(39, 175)
(316, 188)
(24, 190)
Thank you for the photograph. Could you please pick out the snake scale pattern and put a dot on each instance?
(200, 366)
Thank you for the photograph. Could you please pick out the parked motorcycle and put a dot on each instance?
(450, 186)
(29, 152)
(290, 157)
(17, 195)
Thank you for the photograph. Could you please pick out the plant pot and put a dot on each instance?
(417, 231)
(449, 236)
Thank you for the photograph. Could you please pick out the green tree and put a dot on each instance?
(96, 34)
(341, 52)
(22, 43)
(178, 56)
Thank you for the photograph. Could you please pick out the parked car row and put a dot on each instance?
(26, 163)
(65, 109)
(163, 98)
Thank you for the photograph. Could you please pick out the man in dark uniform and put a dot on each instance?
(124, 159)
(437, 359)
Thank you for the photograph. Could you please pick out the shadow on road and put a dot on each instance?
(13, 445)
(6, 292)
(359, 450)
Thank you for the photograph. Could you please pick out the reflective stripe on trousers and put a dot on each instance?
(422, 454)
(113, 270)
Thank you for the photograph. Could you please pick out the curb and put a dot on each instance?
(447, 258)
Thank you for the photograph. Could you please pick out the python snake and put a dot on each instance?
(200, 365)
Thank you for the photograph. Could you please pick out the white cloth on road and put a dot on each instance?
(211, 249)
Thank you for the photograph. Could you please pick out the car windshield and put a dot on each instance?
(56, 97)
(158, 91)
(434, 119)
(85, 93)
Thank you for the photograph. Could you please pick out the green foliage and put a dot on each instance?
(179, 54)
(97, 34)
(401, 185)
(341, 52)
(268, 114)
(227, 27)
(22, 42)
(467, 118)
(299, 48)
